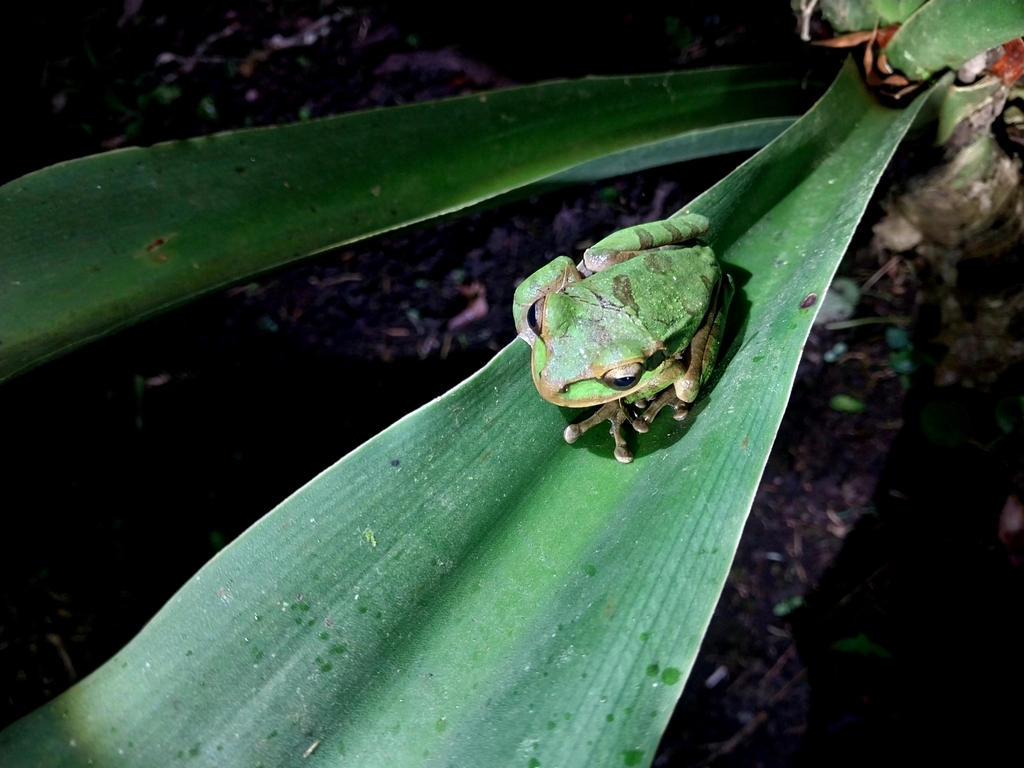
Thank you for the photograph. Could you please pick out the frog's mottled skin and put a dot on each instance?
(642, 314)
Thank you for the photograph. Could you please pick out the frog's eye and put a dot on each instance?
(534, 314)
(624, 377)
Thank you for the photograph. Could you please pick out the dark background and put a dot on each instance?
(128, 463)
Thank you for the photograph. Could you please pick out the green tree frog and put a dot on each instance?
(633, 328)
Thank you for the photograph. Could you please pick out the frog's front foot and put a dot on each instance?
(680, 409)
(614, 412)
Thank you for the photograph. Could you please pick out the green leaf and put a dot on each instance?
(862, 645)
(1009, 414)
(94, 245)
(905, 361)
(518, 601)
(846, 404)
(897, 338)
(945, 423)
(945, 34)
(857, 15)
(787, 606)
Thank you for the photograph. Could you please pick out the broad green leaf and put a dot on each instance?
(93, 245)
(466, 588)
(857, 15)
(945, 34)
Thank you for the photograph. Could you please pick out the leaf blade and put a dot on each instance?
(945, 34)
(153, 228)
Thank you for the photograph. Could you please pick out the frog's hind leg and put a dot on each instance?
(632, 241)
(614, 412)
(698, 359)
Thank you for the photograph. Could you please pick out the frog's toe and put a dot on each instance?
(572, 433)
(623, 455)
(640, 424)
(680, 412)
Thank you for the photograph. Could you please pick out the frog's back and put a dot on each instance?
(667, 291)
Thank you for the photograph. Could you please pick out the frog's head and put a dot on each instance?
(568, 372)
(528, 304)
(587, 350)
(585, 354)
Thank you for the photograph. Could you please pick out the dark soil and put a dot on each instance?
(135, 459)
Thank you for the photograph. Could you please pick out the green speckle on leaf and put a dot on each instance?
(589, 569)
(533, 762)
(652, 670)
(670, 675)
(644, 637)
(632, 756)
(441, 724)
(369, 536)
